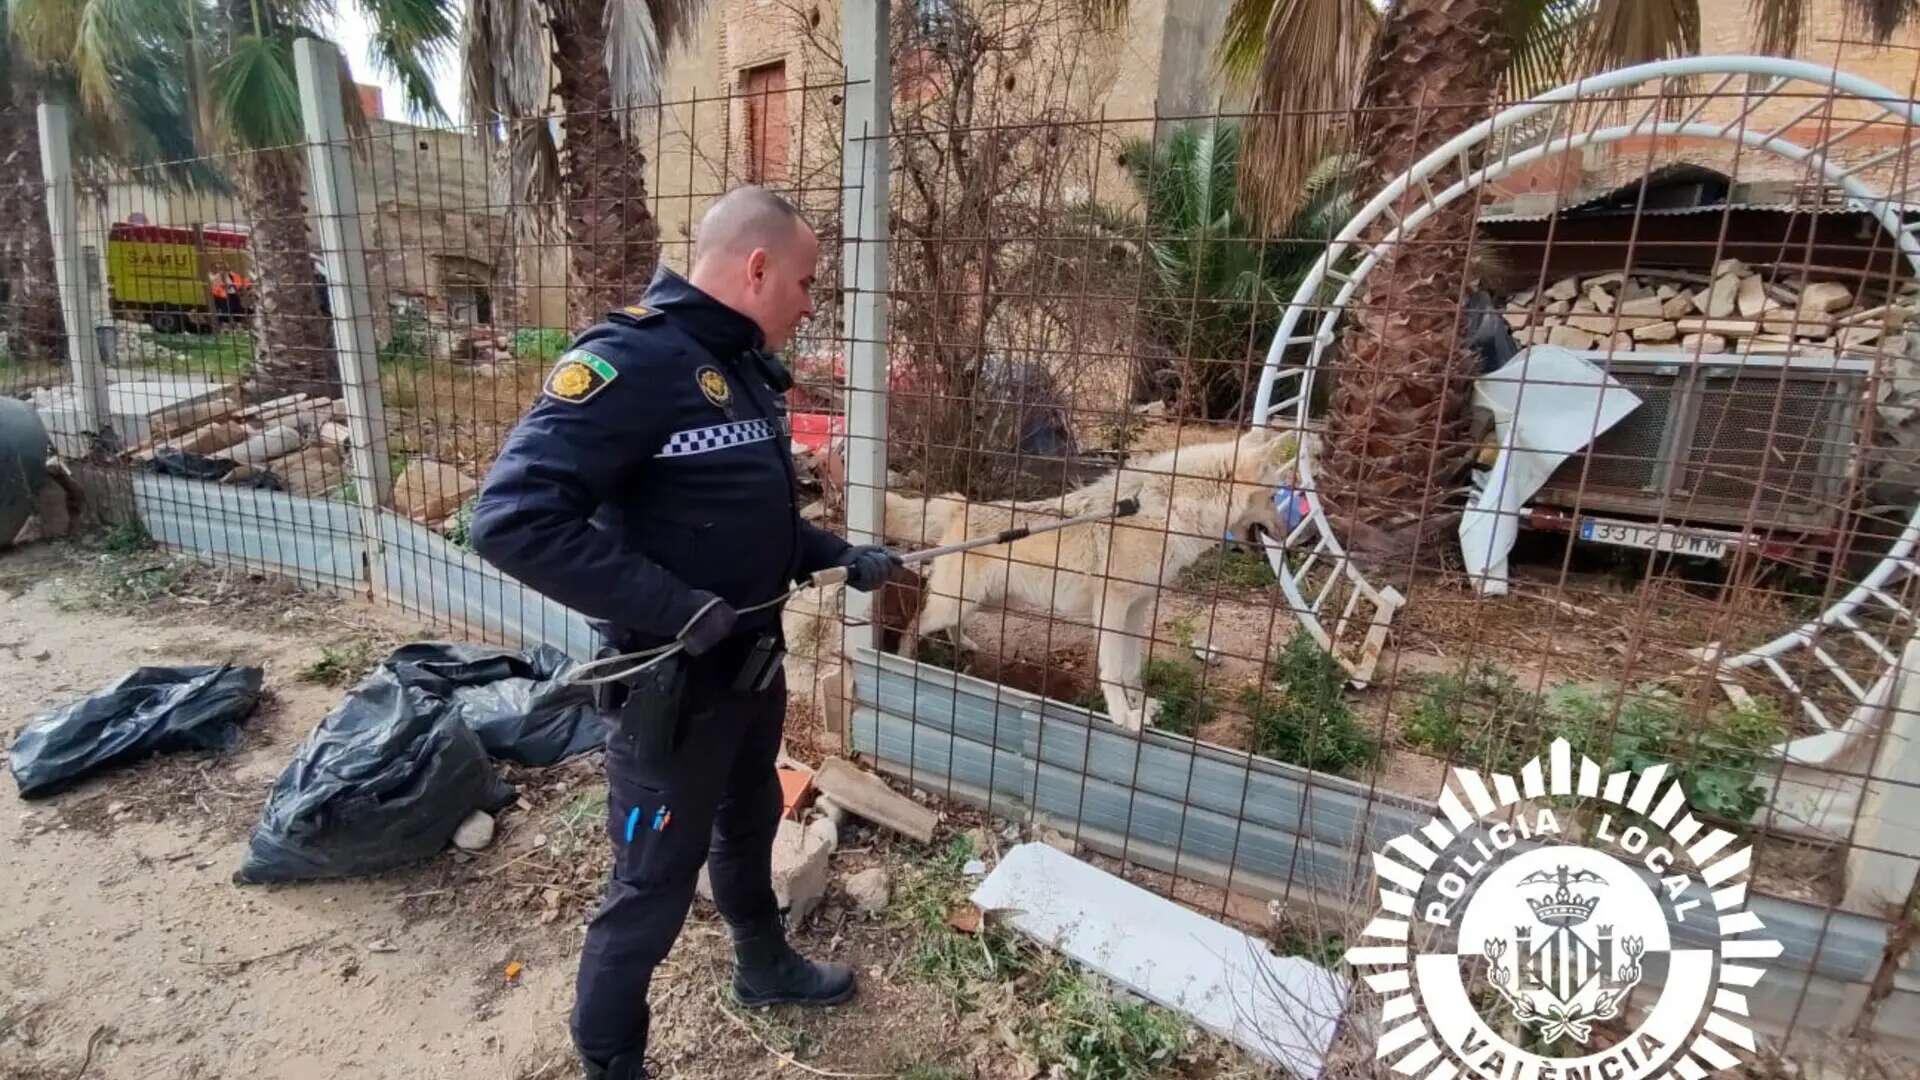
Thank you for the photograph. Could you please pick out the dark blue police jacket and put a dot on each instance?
(653, 473)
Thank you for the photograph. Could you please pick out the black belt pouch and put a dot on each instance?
(650, 719)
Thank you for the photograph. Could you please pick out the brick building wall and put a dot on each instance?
(1832, 37)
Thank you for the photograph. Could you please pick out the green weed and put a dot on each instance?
(580, 824)
(127, 538)
(1225, 570)
(1716, 758)
(953, 962)
(1325, 949)
(1482, 717)
(1093, 699)
(226, 356)
(1307, 720)
(1065, 1017)
(781, 1034)
(460, 531)
(1184, 704)
(1082, 1031)
(339, 666)
(406, 345)
(543, 345)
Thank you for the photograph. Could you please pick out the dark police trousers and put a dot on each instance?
(717, 801)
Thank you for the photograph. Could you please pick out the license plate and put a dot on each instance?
(1653, 538)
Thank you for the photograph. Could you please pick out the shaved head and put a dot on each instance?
(744, 219)
(755, 253)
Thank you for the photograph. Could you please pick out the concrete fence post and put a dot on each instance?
(1884, 857)
(336, 219)
(337, 225)
(864, 170)
(71, 275)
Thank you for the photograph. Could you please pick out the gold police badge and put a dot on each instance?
(714, 385)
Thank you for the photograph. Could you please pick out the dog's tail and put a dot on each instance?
(917, 522)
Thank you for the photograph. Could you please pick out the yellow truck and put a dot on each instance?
(176, 278)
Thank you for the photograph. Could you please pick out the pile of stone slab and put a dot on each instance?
(1737, 312)
(301, 439)
(1731, 310)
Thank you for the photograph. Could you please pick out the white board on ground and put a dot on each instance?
(1282, 1009)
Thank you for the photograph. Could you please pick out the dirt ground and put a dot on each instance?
(131, 953)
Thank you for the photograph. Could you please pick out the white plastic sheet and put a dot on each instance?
(1547, 405)
(1281, 1008)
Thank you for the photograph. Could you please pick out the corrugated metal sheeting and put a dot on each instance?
(321, 543)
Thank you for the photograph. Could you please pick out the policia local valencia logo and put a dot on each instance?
(1564, 925)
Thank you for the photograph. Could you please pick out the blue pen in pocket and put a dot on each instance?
(633, 822)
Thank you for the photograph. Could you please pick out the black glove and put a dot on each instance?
(868, 566)
(709, 628)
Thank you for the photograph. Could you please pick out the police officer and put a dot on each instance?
(651, 488)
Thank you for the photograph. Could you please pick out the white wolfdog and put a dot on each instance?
(1106, 572)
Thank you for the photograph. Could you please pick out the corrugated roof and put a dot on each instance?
(1677, 190)
(1498, 214)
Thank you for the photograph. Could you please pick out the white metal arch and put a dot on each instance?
(1333, 612)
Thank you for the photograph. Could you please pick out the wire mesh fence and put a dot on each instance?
(1596, 425)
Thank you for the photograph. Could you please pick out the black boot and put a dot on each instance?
(624, 1067)
(766, 970)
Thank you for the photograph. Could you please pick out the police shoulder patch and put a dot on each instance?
(577, 376)
(714, 385)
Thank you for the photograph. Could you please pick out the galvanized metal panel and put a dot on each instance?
(1316, 805)
(319, 542)
(427, 573)
(929, 758)
(311, 540)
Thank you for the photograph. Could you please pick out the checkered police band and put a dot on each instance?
(717, 437)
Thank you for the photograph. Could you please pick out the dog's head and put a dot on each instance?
(1265, 459)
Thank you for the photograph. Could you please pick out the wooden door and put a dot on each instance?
(765, 89)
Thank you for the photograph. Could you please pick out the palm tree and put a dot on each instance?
(608, 62)
(157, 137)
(1392, 85)
(235, 61)
(26, 246)
(1216, 289)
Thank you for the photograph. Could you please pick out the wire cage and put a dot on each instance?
(1628, 512)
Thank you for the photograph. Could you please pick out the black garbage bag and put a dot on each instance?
(168, 461)
(513, 700)
(151, 710)
(383, 781)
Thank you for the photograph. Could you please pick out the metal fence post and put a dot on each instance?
(70, 273)
(336, 217)
(864, 167)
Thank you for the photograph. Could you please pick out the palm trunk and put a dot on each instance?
(611, 233)
(293, 341)
(1397, 427)
(32, 312)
